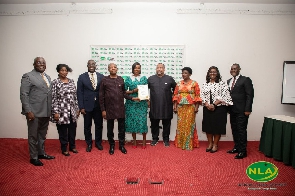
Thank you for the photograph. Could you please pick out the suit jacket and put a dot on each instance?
(242, 95)
(35, 95)
(88, 98)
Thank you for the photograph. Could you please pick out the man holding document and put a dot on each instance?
(161, 106)
(136, 112)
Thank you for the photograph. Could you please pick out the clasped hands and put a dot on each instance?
(210, 107)
(56, 116)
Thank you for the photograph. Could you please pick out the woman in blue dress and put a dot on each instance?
(136, 112)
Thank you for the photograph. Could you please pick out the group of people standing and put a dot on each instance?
(99, 97)
(218, 98)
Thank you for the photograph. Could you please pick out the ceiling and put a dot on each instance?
(147, 1)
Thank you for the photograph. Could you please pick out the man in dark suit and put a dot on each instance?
(35, 96)
(88, 100)
(242, 93)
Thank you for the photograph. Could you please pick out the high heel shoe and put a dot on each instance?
(134, 146)
(143, 144)
(209, 149)
(213, 151)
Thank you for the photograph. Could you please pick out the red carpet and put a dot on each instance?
(98, 173)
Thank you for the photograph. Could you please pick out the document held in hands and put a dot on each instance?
(143, 92)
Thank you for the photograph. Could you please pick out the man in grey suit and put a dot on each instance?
(35, 95)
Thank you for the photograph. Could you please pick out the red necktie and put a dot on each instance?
(233, 84)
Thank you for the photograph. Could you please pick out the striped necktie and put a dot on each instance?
(92, 81)
(233, 84)
(46, 81)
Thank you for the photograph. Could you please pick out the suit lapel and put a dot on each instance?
(48, 78)
(98, 79)
(88, 80)
(39, 77)
(238, 82)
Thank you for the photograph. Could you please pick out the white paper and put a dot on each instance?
(143, 92)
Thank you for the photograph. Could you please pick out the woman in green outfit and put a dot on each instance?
(136, 112)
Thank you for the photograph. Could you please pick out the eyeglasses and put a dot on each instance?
(212, 72)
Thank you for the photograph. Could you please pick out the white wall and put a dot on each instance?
(259, 43)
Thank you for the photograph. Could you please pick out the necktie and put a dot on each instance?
(233, 84)
(92, 81)
(46, 81)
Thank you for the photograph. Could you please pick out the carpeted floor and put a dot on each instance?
(159, 171)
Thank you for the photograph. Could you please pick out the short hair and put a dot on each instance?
(38, 57)
(218, 77)
(134, 65)
(60, 66)
(237, 65)
(188, 69)
(111, 64)
(161, 64)
(91, 60)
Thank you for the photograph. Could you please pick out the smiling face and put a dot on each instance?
(186, 75)
(63, 72)
(160, 69)
(113, 69)
(235, 70)
(137, 70)
(39, 64)
(91, 65)
(213, 74)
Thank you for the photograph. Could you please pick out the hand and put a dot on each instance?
(149, 104)
(175, 110)
(56, 117)
(78, 113)
(135, 90)
(135, 99)
(247, 113)
(30, 116)
(196, 110)
(83, 111)
(211, 107)
(104, 114)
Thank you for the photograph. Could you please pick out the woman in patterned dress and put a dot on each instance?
(186, 104)
(65, 110)
(215, 97)
(136, 112)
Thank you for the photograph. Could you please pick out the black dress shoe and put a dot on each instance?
(88, 149)
(74, 150)
(66, 154)
(112, 149)
(241, 155)
(45, 156)
(36, 162)
(123, 150)
(233, 151)
(99, 147)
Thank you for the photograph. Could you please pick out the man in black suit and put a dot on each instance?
(88, 100)
(35, 95)
(242, 93)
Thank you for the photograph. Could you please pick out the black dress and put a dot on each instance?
(214, 122)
